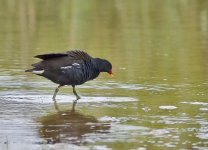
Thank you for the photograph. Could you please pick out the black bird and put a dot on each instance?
(70, 68)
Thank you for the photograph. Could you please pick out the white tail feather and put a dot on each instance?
(38, 71)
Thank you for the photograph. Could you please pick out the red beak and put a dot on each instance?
(110, 73)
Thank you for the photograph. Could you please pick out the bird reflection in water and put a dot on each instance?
(70, 126)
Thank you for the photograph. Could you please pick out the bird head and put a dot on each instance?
(104, 66)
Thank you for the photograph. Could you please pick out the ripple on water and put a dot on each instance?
(128, 86)
(169, 120)
(120, 127)
(204, 109)
(109, 119)
(203, 132)
(159, 132)
(119, 132)
(195, 103)
(64, 99)
(168, 107)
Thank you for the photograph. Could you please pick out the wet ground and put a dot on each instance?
(157, 99)
(31, 120)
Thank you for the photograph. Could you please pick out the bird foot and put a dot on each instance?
(78, 97)
(75, 101)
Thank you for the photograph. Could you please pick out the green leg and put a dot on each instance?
(75, 93)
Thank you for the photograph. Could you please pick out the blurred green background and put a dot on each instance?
(158, 48)
(149, 38)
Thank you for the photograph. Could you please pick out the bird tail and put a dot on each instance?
(35, 71)
(29, 70)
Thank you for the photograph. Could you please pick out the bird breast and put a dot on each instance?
(77, 74)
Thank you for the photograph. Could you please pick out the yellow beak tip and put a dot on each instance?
(111, 75)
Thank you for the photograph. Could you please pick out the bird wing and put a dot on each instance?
(75, 54)
(79, 55)
(51, 55)
(55, 61)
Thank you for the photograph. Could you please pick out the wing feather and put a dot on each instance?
(79, 55)
(51, 55)
(55, 61)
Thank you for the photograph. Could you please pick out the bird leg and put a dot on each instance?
(55, 92)
(75, 93)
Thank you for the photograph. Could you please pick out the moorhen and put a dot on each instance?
(70, 68)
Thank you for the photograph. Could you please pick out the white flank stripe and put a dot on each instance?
(67, 67)
(38, 71)
(75, 64)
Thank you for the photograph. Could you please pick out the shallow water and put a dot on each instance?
(157, 99)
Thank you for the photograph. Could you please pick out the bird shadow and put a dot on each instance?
(70, 126)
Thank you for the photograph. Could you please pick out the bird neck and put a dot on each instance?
(97, 62)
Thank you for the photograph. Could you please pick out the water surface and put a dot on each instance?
(157, 99)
